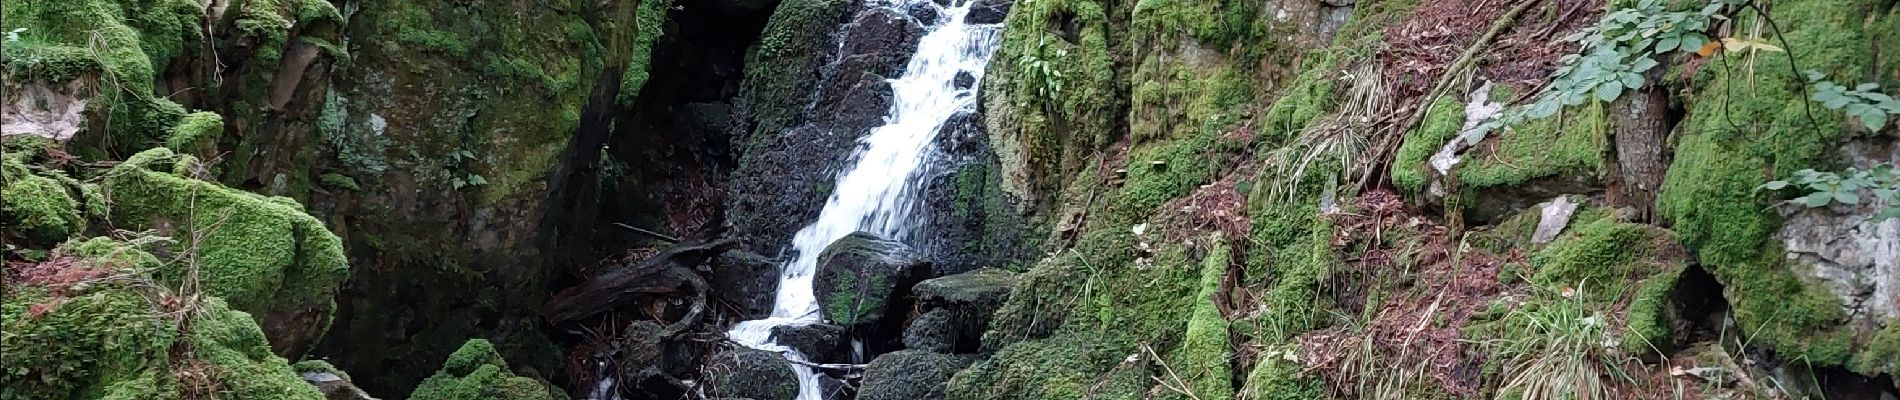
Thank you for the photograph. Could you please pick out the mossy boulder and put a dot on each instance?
(861, 277)
(265, 254)
(909, 375)
(98, 328)
(40, 206)
(476, 371)
(751, 374)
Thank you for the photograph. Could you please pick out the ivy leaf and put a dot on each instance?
(477, 180)
(1668, 44)
(1867, 87)
(1773, 185)
(1643, 64)
(1814, 76)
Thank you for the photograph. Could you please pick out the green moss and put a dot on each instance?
(114, 43)
(1218, 24)
(87, 342)
(778, 83)
(476, 371)
(1275, 378)
(231, 342)
(40, 208)
(1882, 353)
(1063, 367)
(1040, 139)
(196, 134)
(1574, 145)
(649, 20)
(1410, 171)
(1648, 327)
(1310, 96)
(1205, 352)
(107, 338)
(1750, 124)
(271, 259)
(1605, 254)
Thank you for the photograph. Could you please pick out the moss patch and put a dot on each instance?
(476, 371)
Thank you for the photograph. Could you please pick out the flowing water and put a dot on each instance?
(876, 191)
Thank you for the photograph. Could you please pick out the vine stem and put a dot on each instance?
(1793, 69)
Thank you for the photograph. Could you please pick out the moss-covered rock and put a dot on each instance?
(909, 375)
(861, 277)
(751, 373)
(116, 336)
(39, 206)
(476, 371)
(1749, 124)
(268, 256)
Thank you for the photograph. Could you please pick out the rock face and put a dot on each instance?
(909, 375)
(861, 277)
(1844, 250)
(751, 374)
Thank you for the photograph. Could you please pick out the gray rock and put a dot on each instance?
(752, 374)
(909, 375)
(861, 276)
(1554, 216)
(820, 343)
(988, 12)
(984, 287)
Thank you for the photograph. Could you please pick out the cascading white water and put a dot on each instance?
(875, 191)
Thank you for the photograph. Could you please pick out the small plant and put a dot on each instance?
(1863, 102)
(1557, 350)
(1036, 69)
(1826, 188)
(460, 159)
(13, 36)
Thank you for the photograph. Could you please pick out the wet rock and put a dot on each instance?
(854, 92)
(751, 374)
(935, 331)
(909, 375)
(985, 288)
(924, 14)
(745, 280)
(964, 80)
(821, 343)
(862, 275)
(783, 183)
(960, 307)
(988, 12)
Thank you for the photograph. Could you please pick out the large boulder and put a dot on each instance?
(988, 12)
(84, 324)
(265, 255)
(862, 275)
(909, 375)
(751, 374)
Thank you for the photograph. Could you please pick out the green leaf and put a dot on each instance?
(1632, 80)
(1773, 185)
(1867, 87)
(1815, 199)
(477, 180)
(1887, 214)
(1668, 43)
(1814, 75)
(1609, 92)
(1874, 120)
(1846, 197)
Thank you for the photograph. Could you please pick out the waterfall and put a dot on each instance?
(875, 192)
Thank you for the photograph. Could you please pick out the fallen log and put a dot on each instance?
(666, 273)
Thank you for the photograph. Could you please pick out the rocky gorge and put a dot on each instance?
(950, 199)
